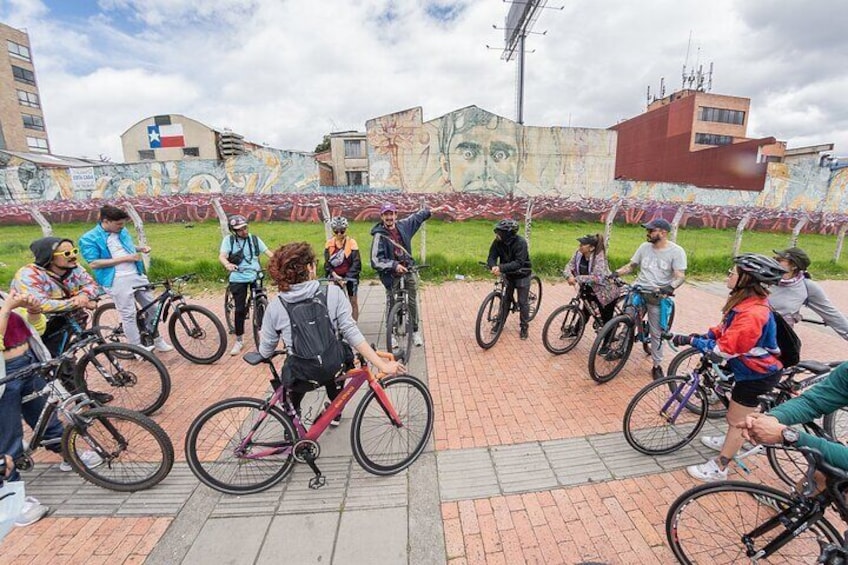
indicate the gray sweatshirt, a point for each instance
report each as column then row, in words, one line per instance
column 276, row 324
column 787, row 300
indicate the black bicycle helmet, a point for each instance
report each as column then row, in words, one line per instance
column 765, row 269
column 507, row 226
column 236, row 221
column 338, row 223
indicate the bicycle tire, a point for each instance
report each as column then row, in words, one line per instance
column 563, row 329
column 258, row 315
column 206, row 456
column 836, row 425
column 680, row 366
column 491, row 318
column 789, row 466
column 619, row 332
column 370, row 415
column 229, row 311
column 192, row 331
column 534, row 297
column 399, row 332
column 106, row 321
column 719, row 526
column 644, row 433
column 133, row 453
column 136, row 378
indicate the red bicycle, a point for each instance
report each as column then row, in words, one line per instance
column 247, row 445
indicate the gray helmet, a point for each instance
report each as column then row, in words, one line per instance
column 338, row 223
column 507, row 226
column 764, row 269
column 236, row 221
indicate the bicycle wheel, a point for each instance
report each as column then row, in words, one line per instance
column 611, row 349
column 655, row 422
column 380, row 447
column 790, row 466
column 219, row 455
column 563, row 329
column 490, row 320
column 258, row 315
column 106, row 321
column 535, row 297
column 197, row 333
column 229, row 311
column 136, row 378
column 718, row 523
column 682, row 366
column 399, row 332
column 137, row 454
column 836, row 425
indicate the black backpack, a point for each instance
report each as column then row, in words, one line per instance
column 236, row 257
column 788, row 341
column 316, row 355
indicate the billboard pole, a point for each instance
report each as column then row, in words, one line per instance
column 520, row 98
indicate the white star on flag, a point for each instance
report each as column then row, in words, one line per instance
column 153, row 135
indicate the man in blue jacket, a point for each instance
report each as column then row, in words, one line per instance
column 117, row 266
column 391, row 256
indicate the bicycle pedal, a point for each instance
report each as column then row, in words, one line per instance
column 317, row 482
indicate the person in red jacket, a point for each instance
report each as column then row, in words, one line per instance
column 747, row 339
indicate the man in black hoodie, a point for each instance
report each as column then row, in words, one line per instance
column 508, row 256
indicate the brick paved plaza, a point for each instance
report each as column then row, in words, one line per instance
column 528, row 463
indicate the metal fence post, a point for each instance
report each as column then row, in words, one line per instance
column 737, row 243
column 142, row 236
column 39, row 218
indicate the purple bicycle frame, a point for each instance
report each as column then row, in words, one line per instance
column 695, row 381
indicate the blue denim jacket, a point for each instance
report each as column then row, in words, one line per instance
column 93, row 246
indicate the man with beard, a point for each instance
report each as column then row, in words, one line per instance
column 662, row 268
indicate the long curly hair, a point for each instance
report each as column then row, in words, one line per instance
column 290, row 264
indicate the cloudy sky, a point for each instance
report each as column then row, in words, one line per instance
column 285, row 72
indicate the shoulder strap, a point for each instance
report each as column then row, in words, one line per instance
column 254, row 246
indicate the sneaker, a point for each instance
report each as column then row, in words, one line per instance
column 717, row 442
column 89, row 458
column 32, row 512
column 162, row 346
column 148, row 348
column 417, row 339
column 237, row 347
column 707, row 472
column 335, row 421
column 657, row 372
column 524, row 333
column 100, row 397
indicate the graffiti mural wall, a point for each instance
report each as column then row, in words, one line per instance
column 263, row 171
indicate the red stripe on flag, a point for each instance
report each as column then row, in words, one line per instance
column 178, row 141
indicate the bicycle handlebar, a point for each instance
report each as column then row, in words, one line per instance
column 166, row 282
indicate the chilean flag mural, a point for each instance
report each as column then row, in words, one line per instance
column 165, row 136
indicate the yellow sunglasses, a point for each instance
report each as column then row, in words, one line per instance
column 67, row 254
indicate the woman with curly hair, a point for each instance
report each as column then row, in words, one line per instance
column 293, row 268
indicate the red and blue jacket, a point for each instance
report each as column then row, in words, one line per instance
column 747, row 338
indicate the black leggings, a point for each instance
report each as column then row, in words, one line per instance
column 333, row 389
column 238, row 290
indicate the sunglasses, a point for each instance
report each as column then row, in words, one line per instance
column 67, row 254
column 339, row 231
column 731, row 272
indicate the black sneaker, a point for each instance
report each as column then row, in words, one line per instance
column 100, row 397
column 523, row 334
column 657, row 372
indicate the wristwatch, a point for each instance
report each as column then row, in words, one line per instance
column 790, row 436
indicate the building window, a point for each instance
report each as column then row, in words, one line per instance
column 146, row 155
column 355, row 178
column 19, row 51
column 33, row 122
column 353, row 148
column 37, row 144
column 29, row 99
column 722, row 115
column 712, row 139
column 162, row 120
column 25, row 76
column 191, row 152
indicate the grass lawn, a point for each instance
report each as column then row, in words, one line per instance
column 452, row 247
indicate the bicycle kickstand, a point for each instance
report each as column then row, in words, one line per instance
column 319, row 479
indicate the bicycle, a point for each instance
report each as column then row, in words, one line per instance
column 399, row 326
column 190, row 326
column 614, row 343
column 735, row 521
column 257, row 299
column 247, row 445
column 564, row 328
column 496, row 307
column 136, row 378
column 135, row 453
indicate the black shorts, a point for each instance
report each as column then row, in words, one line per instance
column 746, row 392
column 352, row 287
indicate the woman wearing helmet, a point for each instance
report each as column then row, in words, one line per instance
column 508, row 256
column 342, row 262
column 747, row 339
column 239, row 254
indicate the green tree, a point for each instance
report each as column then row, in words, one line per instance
column 324, row 145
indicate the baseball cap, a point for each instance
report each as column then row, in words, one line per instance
column 588, row 239
column 796, row 255
column 658, row 224
column 387, row 207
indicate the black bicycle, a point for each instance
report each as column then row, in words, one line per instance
column 564, row 328
column 110, row 447
column 736, row 522
column 197, row 333
column 496, row 307
column 257, row 301
column 399, row 326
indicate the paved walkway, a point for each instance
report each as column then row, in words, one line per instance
column 527, row 464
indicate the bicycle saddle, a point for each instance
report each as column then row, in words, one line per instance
column 255, row 358
column 814, row 367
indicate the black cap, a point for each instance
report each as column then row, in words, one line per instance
column 588, row 239
column 43, row 249
column 658, row 224
column 796, row 256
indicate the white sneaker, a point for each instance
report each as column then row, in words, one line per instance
column 417, row 339
column 707, row 472
column 162, row 346
column 717, row 442
column 237, row 347
column 32, row 512
column 148, row 348
column 89, row 458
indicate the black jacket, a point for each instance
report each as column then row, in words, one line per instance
column 512, row 256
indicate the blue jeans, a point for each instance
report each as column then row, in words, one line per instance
column 11, row 411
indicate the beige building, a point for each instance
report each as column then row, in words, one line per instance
column 22, row 125
column 171, row 137
column 347, row 162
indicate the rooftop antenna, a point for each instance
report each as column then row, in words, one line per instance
column 686, row 60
